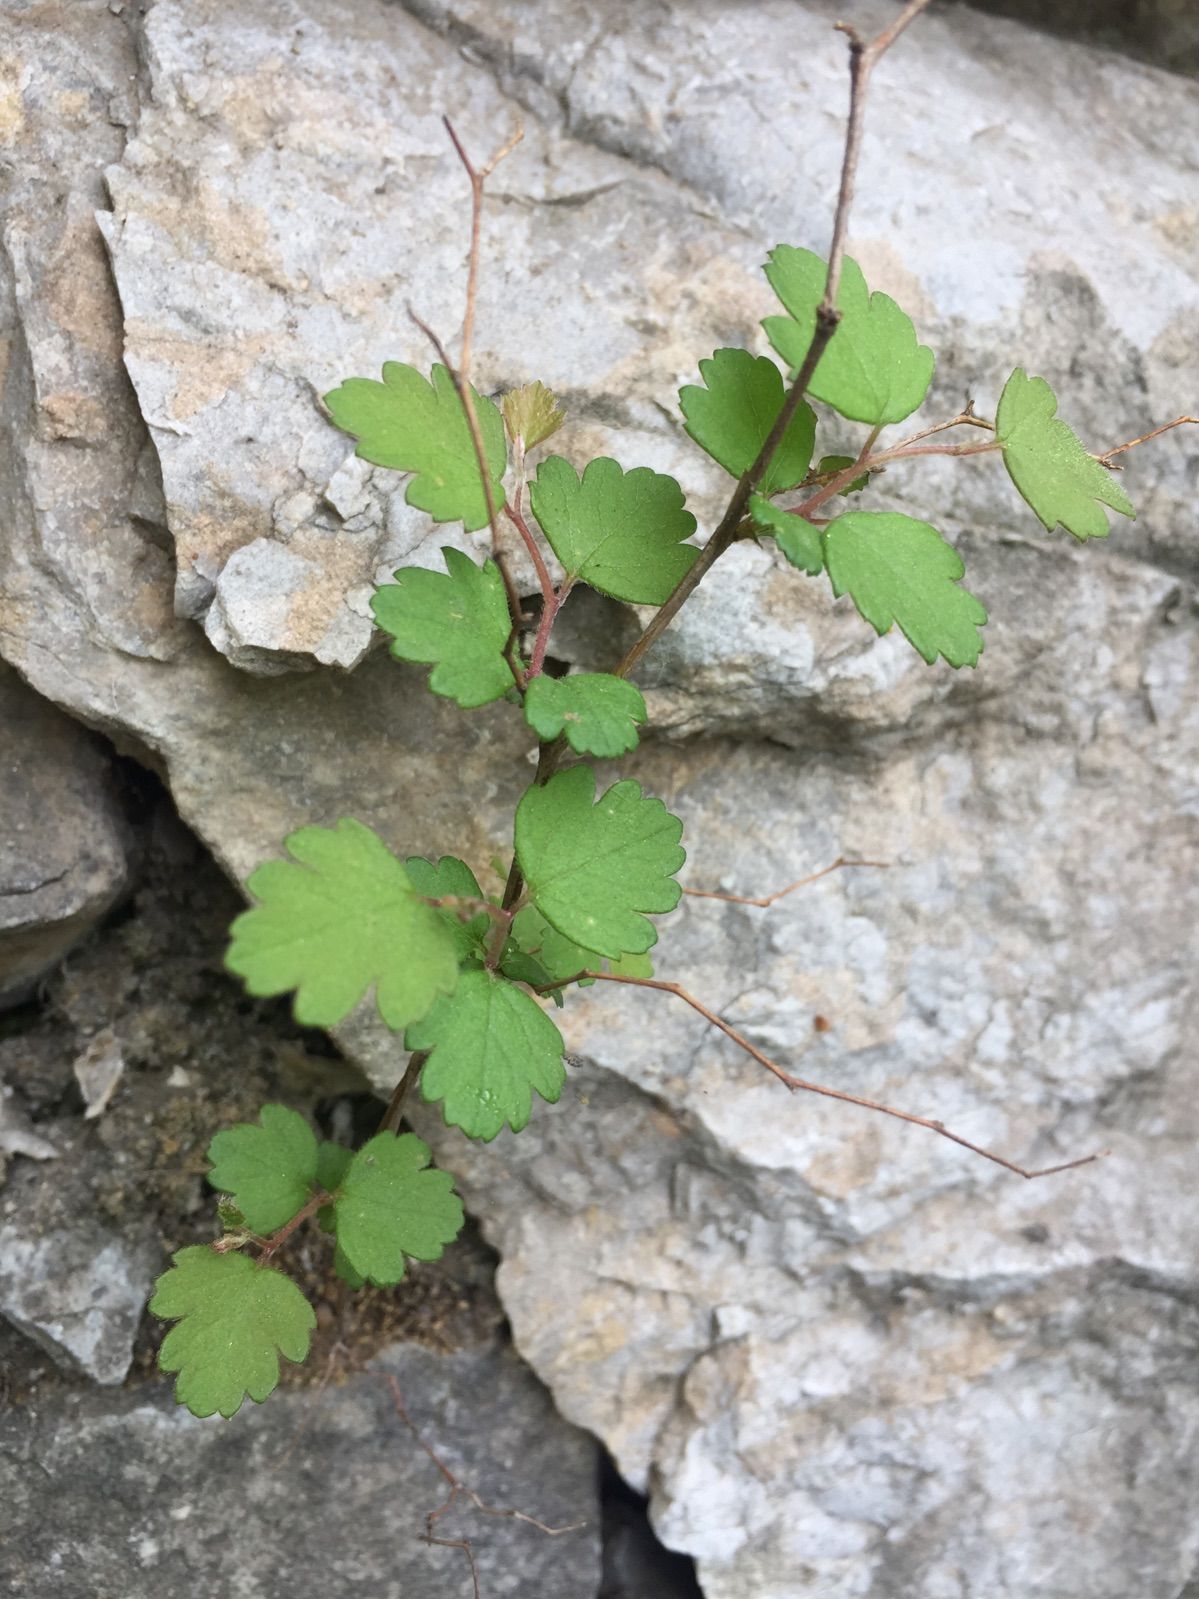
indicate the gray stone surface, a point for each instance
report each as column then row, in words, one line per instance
column 1164, row 32
column 62, row 844
column 322, row 1490
column 17, row 1136
column 70, row 1281
column 844, row 1357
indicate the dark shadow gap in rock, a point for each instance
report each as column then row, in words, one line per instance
column 636, row 1565
column 1163, row 33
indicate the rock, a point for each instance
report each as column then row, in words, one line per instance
column 62, row 849
column 17, row 1136
column 636, row 1566
column 73, row 464
column 805, row 1329
column 98, row 1070
column 72, row 1283
column 278, row 539
column 148, row 1500
column 1164, row 32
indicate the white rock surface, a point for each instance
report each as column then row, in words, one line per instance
column 846, row 1358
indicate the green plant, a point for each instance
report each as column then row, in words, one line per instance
column 464, row 974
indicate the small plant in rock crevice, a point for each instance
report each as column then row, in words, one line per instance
column 463, row 975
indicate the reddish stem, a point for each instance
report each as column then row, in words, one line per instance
column 516, row 517
column 549, row 615
column 872, row 463
column 272, row 1244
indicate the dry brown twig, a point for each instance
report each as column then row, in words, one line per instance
column 766, row 900
column 458, row 1488
column 801, row 1084
column 460, row 374
column 1119, row 449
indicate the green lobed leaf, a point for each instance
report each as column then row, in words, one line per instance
column 900, row 570
column 797, row 538
column 452, row 878
column 838, row 463
column 343, row 1269
column 521, row 967
column 230, row 1218
column 268, row 1169
column 619, row 531
column 594, row 867
column 414, row 425
column 491, row 1045
column 732, row 416
column 873, row 370
column 558, row 957
column 531, row 415
column 537, row 954
column 1049, row 463
column 234, row 1319
column 632, row 966
column 598, row 713
column 332, row 1163
column 449, row 878
column 457, row 621
column 392, row 1204
column 341, row 916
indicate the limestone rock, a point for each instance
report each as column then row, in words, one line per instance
column 1164, row 32
column 17, row 1136
column 151, row 1501
column 62, row 847
column 68, row 1280
column 844, row 1356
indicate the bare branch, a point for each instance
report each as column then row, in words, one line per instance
column 964, row 418
column 460, row 374
column 862, row 60
column 766, row 900
column 874, row 463
column 456, row 1487
column 1144, row 438
column 801, row 1084
column 390, row 1121
column 478, row 177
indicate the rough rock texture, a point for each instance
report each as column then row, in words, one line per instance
column 845, row 1357
column 321, row 1490
column 1165, row 32
column 75, row 1284
column 17, row 1136
column 62, row 846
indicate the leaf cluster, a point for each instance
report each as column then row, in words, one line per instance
column 236, row 1314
